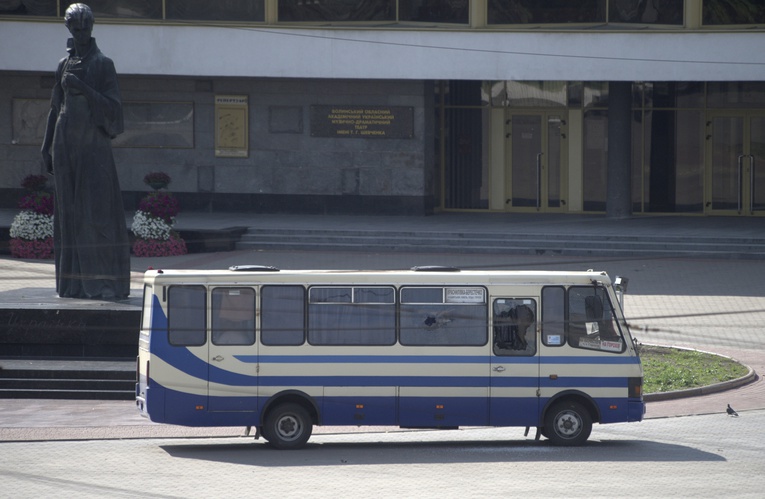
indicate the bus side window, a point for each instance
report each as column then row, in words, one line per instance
column 444, row 316
column 282, row 315
column 553, row 316
column 515, row 326
column 351, row 315
column 186, row 322
column 233, row 316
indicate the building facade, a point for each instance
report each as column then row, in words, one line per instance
column 415, row 106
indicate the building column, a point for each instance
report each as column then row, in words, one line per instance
column 619, row 195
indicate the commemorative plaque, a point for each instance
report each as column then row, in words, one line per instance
column 362, row 122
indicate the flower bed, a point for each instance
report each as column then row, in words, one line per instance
column 156, row 247
column 32, row 228
column 39, row 249
column 153, row 223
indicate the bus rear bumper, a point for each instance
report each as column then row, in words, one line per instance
column 635, row 410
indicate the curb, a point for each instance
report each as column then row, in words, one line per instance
column 749, row 377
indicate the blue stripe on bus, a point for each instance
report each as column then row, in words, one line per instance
column 430, row 359
column 446, row 381
column 172, row 406
column 365, row 359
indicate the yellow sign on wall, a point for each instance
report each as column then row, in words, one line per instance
column 231, row 130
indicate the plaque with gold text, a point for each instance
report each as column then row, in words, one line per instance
column 362, row 122
column 231, row 132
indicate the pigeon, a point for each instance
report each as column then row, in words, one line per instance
column 731, row 412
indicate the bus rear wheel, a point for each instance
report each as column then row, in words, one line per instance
column 287, row 426
column 567, row 423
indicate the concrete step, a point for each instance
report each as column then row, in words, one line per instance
column 67, row 394
column 529, row 243
column 67, row 379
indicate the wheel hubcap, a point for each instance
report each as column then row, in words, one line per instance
column 568, row 424
column 288, row 427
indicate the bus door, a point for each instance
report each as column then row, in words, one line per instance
column 445, row 330
column 514, row 399
column 232, row 353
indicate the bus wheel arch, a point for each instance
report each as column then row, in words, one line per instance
column 567, row 420
column 287, row 420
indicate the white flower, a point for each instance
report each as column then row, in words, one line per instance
column 146, row 226
column 31, row 225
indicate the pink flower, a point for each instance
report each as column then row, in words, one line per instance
column 155, row 247
column 39, row 249
column 160, row 204
column 38, row 201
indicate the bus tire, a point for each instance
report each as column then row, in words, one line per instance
column 567, row 423
column 287, row 427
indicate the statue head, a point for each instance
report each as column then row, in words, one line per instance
column 79, row 21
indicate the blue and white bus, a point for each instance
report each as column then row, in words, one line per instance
column 430, row 347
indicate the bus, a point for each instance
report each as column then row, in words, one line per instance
column 430, row 347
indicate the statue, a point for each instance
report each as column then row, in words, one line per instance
column 91, row 246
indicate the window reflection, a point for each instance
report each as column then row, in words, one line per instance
column 336, row 10
column 643, row 12
column 595, row 160
column 28, row 8
column 440, row 11
column 719, row 12
column 143, row 9
column 222, row 10
column 736, row 94
column 546, row 11
column 596, row 94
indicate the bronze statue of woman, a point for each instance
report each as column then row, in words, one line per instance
column 92, row 250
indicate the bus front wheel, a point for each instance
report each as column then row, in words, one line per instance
column 287, row 426
column 567, row 423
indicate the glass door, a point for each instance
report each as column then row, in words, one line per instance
column 535, row 160
column 736, row 163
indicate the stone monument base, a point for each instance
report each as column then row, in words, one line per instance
column 35, row 322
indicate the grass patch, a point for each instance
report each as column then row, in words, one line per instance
column 668, row 369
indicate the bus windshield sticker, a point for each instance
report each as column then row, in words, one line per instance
column 553, row 339
column 594, row 344
column 611, row 346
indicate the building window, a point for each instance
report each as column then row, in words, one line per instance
column 336, row 10
column 434, row 11
column 643, row 12
column 205, row 10
column 28, row 8
column 546, row 11
column 138, row 9
column 667, row 12
column 731, row 12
